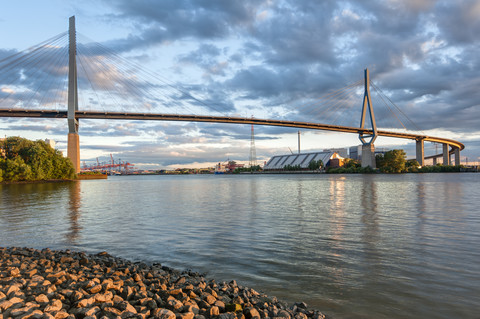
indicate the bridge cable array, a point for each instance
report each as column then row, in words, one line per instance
column 37, row 78
column 27, row 77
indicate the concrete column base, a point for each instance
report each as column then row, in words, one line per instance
column 368, row 156
column 73, row 150
column 446, row 154
column 434, row 161
column 420, row 153
column 457, row 156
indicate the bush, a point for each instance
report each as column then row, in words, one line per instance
column 391, row 162
column 27, row 160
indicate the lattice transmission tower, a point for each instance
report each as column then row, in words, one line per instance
column 253, row 153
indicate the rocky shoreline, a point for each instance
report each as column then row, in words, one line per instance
column 67, row 284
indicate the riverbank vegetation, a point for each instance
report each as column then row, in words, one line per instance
column 26, row 160
column 255, row 168
column 392, row 162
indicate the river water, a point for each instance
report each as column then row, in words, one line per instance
column 352, row 246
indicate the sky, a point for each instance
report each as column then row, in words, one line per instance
column 260, row 58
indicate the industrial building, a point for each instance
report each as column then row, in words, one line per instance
column 329, row 159
column 355, row 152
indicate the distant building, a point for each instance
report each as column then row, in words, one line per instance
column 355, row 152
column 2, row 148
column 50, row 142
column 279, row 162
column 228, row 167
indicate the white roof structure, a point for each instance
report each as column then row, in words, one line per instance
column 302, row 159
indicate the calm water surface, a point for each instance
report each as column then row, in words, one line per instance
column 354, row 246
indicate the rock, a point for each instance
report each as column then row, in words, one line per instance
column 111, row 311
column 14, row 302
column 161, row 313
column 191, row 308
column 233, row 307
column 127, row 293
column 66, row 259
column 21, row 311
column 12, row 290
column 209, row 299
column 283, row 314
column 95, row 289
column 213, row 311
column 42, row 299
column 62, row 315
column 220, row 304
column 251, row 313
column 318, row 315
column 92, row 311
column 87, row 302
column 55, row 305
column 174, row 304
column 186, row 315
column 14, row 272
column 103, row 253
column 125, row 306
column 35, row 314
column 175, row 292
column 117, row 299
column 67, row 284
column 32, row 272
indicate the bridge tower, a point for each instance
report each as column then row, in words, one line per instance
column 368, row 148
column 73, row 146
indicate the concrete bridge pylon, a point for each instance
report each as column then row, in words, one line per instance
column 73, row 144
column 368, row 148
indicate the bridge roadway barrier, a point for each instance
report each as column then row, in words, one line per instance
column 455, row 146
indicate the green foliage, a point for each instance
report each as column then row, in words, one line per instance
column 91, row 173
column 440, row 169
column 351, row 163
column 314, row 165
column 255, row 168
column 412, row 163
column 27, row 160
column 292, row 167
column 391, row 162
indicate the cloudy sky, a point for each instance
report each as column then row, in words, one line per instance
column 261, row 58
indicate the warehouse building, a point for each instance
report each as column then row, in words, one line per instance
column 279, row 162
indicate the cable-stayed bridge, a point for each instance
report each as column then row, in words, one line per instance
column 43, row 82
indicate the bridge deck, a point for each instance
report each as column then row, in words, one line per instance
column 222, row 119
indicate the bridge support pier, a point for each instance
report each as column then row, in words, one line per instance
column 457, row 156
column 446, row 154
column 368, row 156
column 73, row 147
column 73, row 150
column 420, row 153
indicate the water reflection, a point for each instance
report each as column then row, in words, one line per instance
column 337, row 223
column 74, row 204
column 370, row 232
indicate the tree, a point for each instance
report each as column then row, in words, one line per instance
column 314, row 165
column 392, row 161
column 351, row 163
column 27, row 160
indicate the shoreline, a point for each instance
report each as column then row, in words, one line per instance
column 68, row 284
